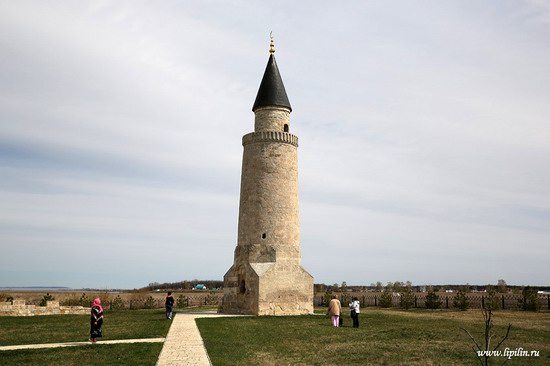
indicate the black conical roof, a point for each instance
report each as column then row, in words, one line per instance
column 272, row 91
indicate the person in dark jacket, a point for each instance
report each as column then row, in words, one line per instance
column 169, row 303
column 96, row 320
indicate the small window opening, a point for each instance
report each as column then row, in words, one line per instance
column 263, row 236
column 285, row 128
column 242, row 287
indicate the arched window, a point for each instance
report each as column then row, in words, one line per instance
column 242, row 287
column 285, row 128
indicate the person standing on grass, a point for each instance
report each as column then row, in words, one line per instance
column 354, row 309
column 169, row 303
column 96, row 320
column 334, row 310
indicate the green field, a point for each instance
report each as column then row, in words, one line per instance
column 127, row 324
column 386, row 337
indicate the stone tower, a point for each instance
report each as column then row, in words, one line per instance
column 266, row 277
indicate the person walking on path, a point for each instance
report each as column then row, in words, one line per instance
column 96, row 320
column 169, row 303
column 354, row 310
column 334, row 310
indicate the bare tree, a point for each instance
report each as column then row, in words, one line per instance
column 483, row 354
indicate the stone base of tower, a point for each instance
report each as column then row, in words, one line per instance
column 268, row 289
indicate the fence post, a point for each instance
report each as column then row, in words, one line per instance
column 375, row 297
column 447, row 301
column 415, row 301
column 503, row 306
column 548, row 298
column 483, row 302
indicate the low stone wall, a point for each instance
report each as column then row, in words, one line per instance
column 19, row 308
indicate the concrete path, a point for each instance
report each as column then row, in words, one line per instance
column 74, row 344
column 183, row 345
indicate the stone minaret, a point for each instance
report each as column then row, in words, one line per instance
column 266, row 277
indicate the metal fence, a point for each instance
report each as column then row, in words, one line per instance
column 501, row 301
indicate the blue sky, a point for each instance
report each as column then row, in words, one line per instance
column 424, row 138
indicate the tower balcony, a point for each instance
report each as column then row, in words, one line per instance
column 270, row 136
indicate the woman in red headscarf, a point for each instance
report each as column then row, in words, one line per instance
column 96, row 320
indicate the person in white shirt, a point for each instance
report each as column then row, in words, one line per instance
column 354, row 308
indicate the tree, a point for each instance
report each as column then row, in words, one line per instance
column 344, row 286
column 432, row 300
column 529, row 300
column 397, row 286
column 407, row 296
column 461, row 301
column 483, row 354
column 491, row 301
column 378, row 287
column 386, row 298
column 502, row 286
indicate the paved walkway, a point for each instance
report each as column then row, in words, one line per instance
column 183, row 345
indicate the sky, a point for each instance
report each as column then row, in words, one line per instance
column 424, row 132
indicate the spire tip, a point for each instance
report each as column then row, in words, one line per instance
column 271, row 43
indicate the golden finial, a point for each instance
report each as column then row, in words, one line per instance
column 271, row 43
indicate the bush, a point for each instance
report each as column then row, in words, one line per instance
column 182, row 301
column 432, row 300
column 386, row 298
column 117, row 303
column 460, row 301
column 491, row 301
column 529, row 300
column 211, row 299
column 45, row 299
column 407, row 297
column 5, row 298
column 327, row 297
column 150, row 303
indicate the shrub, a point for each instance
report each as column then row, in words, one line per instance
column 117, row 303
column 407, row 297
column 386, row 298
column 150, row 303
column 45, row 299
column 491, row 301
column 211, row 299
column 327, row 297
column 182, row 301
column 529, row 300
column 5, row 298
column 460, row 301
column 432, row 300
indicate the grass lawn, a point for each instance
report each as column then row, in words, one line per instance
column 386, row 337
column 123, row 324
column 142, row 354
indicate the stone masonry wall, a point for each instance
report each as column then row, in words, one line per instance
column 271, row 119
column 268, row 208
column 19, row 308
